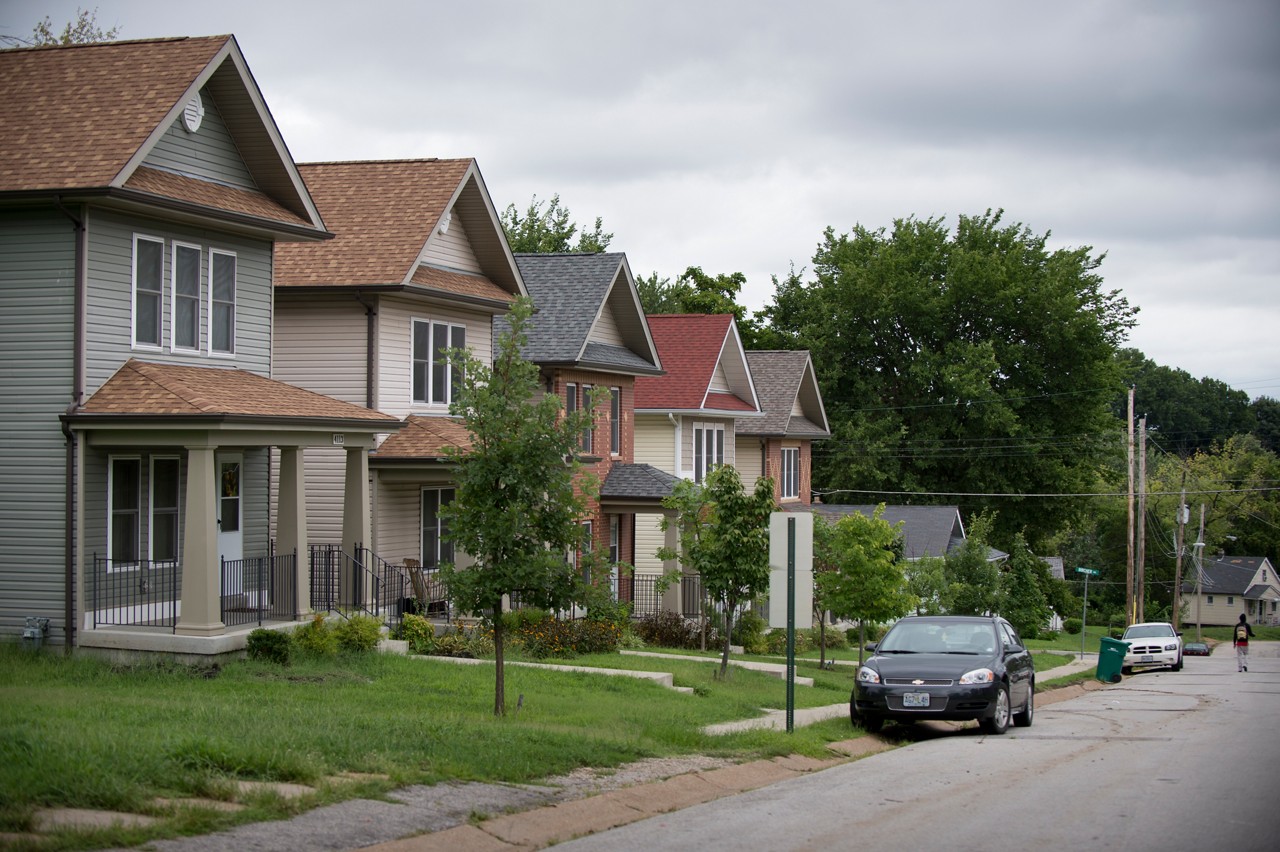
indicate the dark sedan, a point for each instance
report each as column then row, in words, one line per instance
column 946, row 667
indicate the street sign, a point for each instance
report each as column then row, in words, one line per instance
column 1092, row 571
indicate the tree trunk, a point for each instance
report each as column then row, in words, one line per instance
column 499, row 685
column 822, row 640
column 862, row 639
column 728, row 632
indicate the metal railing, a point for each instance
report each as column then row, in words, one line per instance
column 260, row 588
column 646, row 600
column 361, row 583
column 136, row 593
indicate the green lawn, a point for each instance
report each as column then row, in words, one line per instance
column 81, row 732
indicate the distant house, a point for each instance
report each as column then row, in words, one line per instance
column 1230, row 586
column 779, row 444
column 926, row 530
column 144, row 191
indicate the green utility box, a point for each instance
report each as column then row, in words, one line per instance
column 1111, row 659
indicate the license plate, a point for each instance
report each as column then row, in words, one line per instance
column 1147, row 658
column 915, row 699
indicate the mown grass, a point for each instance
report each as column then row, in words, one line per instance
column 81, row 732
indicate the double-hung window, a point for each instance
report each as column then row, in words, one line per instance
column 435, row 376
column 615, row 553
column 164, row 508
column 185, row 297
column 790, row 486
column 124, row 497
column 588, row 545
column 708, row 449
column 588, row 434
column 615, row 421
column 148, row 290
column 222, row 302
column 436, row 549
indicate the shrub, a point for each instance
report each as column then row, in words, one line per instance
column 554, row 637
column 463, row 641
column 419, row 633
column 836, row 640
column 1047, row 635
column 669, row 630
column 359, row 633
column 748, row 631
column 1072, row 625
column 776, row 641
column 271, row 646
column 617, row 613
column 316, row 638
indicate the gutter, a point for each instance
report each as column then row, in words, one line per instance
column 81, row 261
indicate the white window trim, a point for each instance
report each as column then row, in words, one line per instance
column 112, row 567
column 133, row 296
column 700, row 432
column 173, row 295
column 151, row 506
column 438, row 491
column 429, row 387
column 615, row 553
column 789, row 487
column 615, row 421
column 235, row 304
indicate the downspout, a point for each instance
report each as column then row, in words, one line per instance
column 77, row 398
column 675, row 429
column 369, row 315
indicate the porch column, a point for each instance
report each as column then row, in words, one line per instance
column 355, row 524
column 671, row 600
column 201, row 575
column 291, row 533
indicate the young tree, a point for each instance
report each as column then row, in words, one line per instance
column 83, row 30
column 516, row 510
column 862, row 580
column 973, row 580
column 548, row 231
column 1022, row 601
column 926, row 580
column 724, row 537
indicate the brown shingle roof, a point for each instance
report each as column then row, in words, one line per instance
column 202, row 192
column 382, row 212
column 72, row 117
column 148, row 389
column 425, row 438
column 460, row 283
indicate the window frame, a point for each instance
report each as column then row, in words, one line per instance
column 174, row 511
column 174, row 296
column 789, row 479
column 589, row 433
column 128, row 563
column 450, row 374
column 615, row 421
column 214, row 303
column 442, row 526
column 615, row 552
column 157, row 294
column 708, row 440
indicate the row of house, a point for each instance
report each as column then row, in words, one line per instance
column 225, row 380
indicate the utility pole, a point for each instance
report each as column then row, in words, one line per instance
column 1199, row 545
column 1140, row 596
column 1128, row 574
column 1177, row 565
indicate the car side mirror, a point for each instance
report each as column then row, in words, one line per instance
column 871, row 646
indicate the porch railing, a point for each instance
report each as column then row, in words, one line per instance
column 136, row 593
column 362, row 582
column 646, row 600
column 260, row 588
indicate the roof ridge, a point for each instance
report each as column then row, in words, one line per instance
column 186, row 393
column 391, row 161
column 99, row 44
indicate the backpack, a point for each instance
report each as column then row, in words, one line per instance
column 1242, row 633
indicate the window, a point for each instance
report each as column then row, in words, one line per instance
column 124, row 497
column 615, row 553
column 436, row 550
column 708, row 449
column 435, row 378
column 1210, row 600
column 588, row 545
column 148, row 290
column 615, row 421
column 790, row 472
column 185, row 296
column 588, row 434
column 1231, row 601
column 164, row 508
column 222, row 302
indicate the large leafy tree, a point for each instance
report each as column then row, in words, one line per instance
column 1022, row 599
column 83, row 29
column 696, row 292
column 1184, row 414
column 519, row 502
column 547, row 227
column 724, row 537
column 860, row 577
column 974, row 362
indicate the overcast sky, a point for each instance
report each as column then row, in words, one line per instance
column 728, row 135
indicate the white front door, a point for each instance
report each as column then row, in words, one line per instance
column 230, row 517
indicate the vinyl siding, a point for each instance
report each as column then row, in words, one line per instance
column 655, row 442
column 210, row 153
column 37, row 275
column 649, row 537
column 452, row 250
column 399, row 520
column 320, row 345
column 394, row 349
column 605, row 329
column 108, row 331
column 748, row 458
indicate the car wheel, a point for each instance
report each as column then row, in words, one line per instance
column 870, row 724
column 998, row 723
column 1177, row 667
column 1023, row 719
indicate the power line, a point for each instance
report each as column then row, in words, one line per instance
column 1033, row 494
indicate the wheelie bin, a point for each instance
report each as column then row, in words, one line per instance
column 1111, row 659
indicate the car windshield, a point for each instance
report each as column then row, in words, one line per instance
column 1148, row 631
column 927, row 637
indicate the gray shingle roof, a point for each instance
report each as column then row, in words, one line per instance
column 636, row 481
column 780, row 379
column 568, row 292
column 926, row 530
column 1228, row 575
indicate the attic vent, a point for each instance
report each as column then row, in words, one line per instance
column 193, row 114
column 445, row 220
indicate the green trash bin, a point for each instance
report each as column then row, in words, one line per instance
column 1111, row 659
